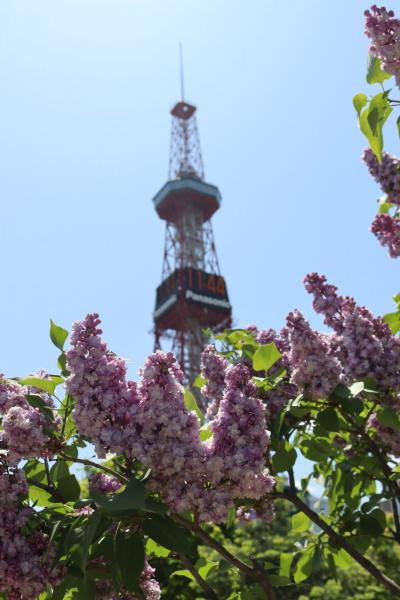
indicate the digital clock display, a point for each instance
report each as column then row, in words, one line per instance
column 195, row 286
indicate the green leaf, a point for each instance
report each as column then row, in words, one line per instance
column 191, row 404
column 285, row 564
column 279, row 580
column 164, row 531
column 372, row 120
column 374, row 523
column 199, row 382
column 38, row 496
column 303, row 568
column 58, row 335
column 47, row 385
column 133, row 498
column 300, row 523
column 69, row 488
column 265, row 356
column 356, row 388
column 129, row 554
column 59, row 470
column 205, row 567
column 375, row 73
column 284, row 458
column 153, row 548
column 393, row 321
column 384, row 206
column 205, row 432
column 80, row 536
column 389, row 418
column 342, row 559
column 328, row 419
column 35, row 470
column 183, row 573
column 359, row 101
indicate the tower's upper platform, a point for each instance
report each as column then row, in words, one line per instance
column 187, row 193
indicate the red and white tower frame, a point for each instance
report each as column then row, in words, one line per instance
column 192, row 295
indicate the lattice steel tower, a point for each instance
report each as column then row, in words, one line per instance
column 192, row 295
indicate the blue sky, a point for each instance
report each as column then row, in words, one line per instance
column 86, row 89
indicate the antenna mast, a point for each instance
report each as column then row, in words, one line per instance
column 181, row 71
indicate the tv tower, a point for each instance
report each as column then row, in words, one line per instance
column 192, row 295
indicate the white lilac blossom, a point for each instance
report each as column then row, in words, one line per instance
column 383, row 29
column 213, row 367
column 313, row 368
column 27, row 564
column 387, row 230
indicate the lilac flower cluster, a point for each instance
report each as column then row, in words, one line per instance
column 387, row 436
column 102, row 482
column 23, row 434
column 386, row 173
column 105, row 403
column 387, row 230
column 383, row 29
column 213, row 367
column 240, row 441
column 363, row 343
column 279, row 396
column 27, row 564
column 24, row 426
column 150, row 422
column 149, row 586
column 312, row 365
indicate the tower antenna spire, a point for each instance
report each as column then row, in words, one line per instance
column 181, row 72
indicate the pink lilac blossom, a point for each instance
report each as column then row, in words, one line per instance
column 213, row 367
column 105, row 483
column 27, row 563
column 327, row 302
column 313, row 368
column 148, row 584
column 11, row 394
column 23, row 434
column 279, row 396
column 383, row 29
column 104, row 402
column 158, row 429
column 364, row 344
column 171, row 445
column 386, row 173
column 387, row 230
column 240, row 440
column 386, row 436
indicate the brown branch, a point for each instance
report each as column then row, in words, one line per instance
column 89, row 463
column 207, row 589
column 260, row 576
column 341, row 541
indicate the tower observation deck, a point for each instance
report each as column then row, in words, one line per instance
column 192, row 295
